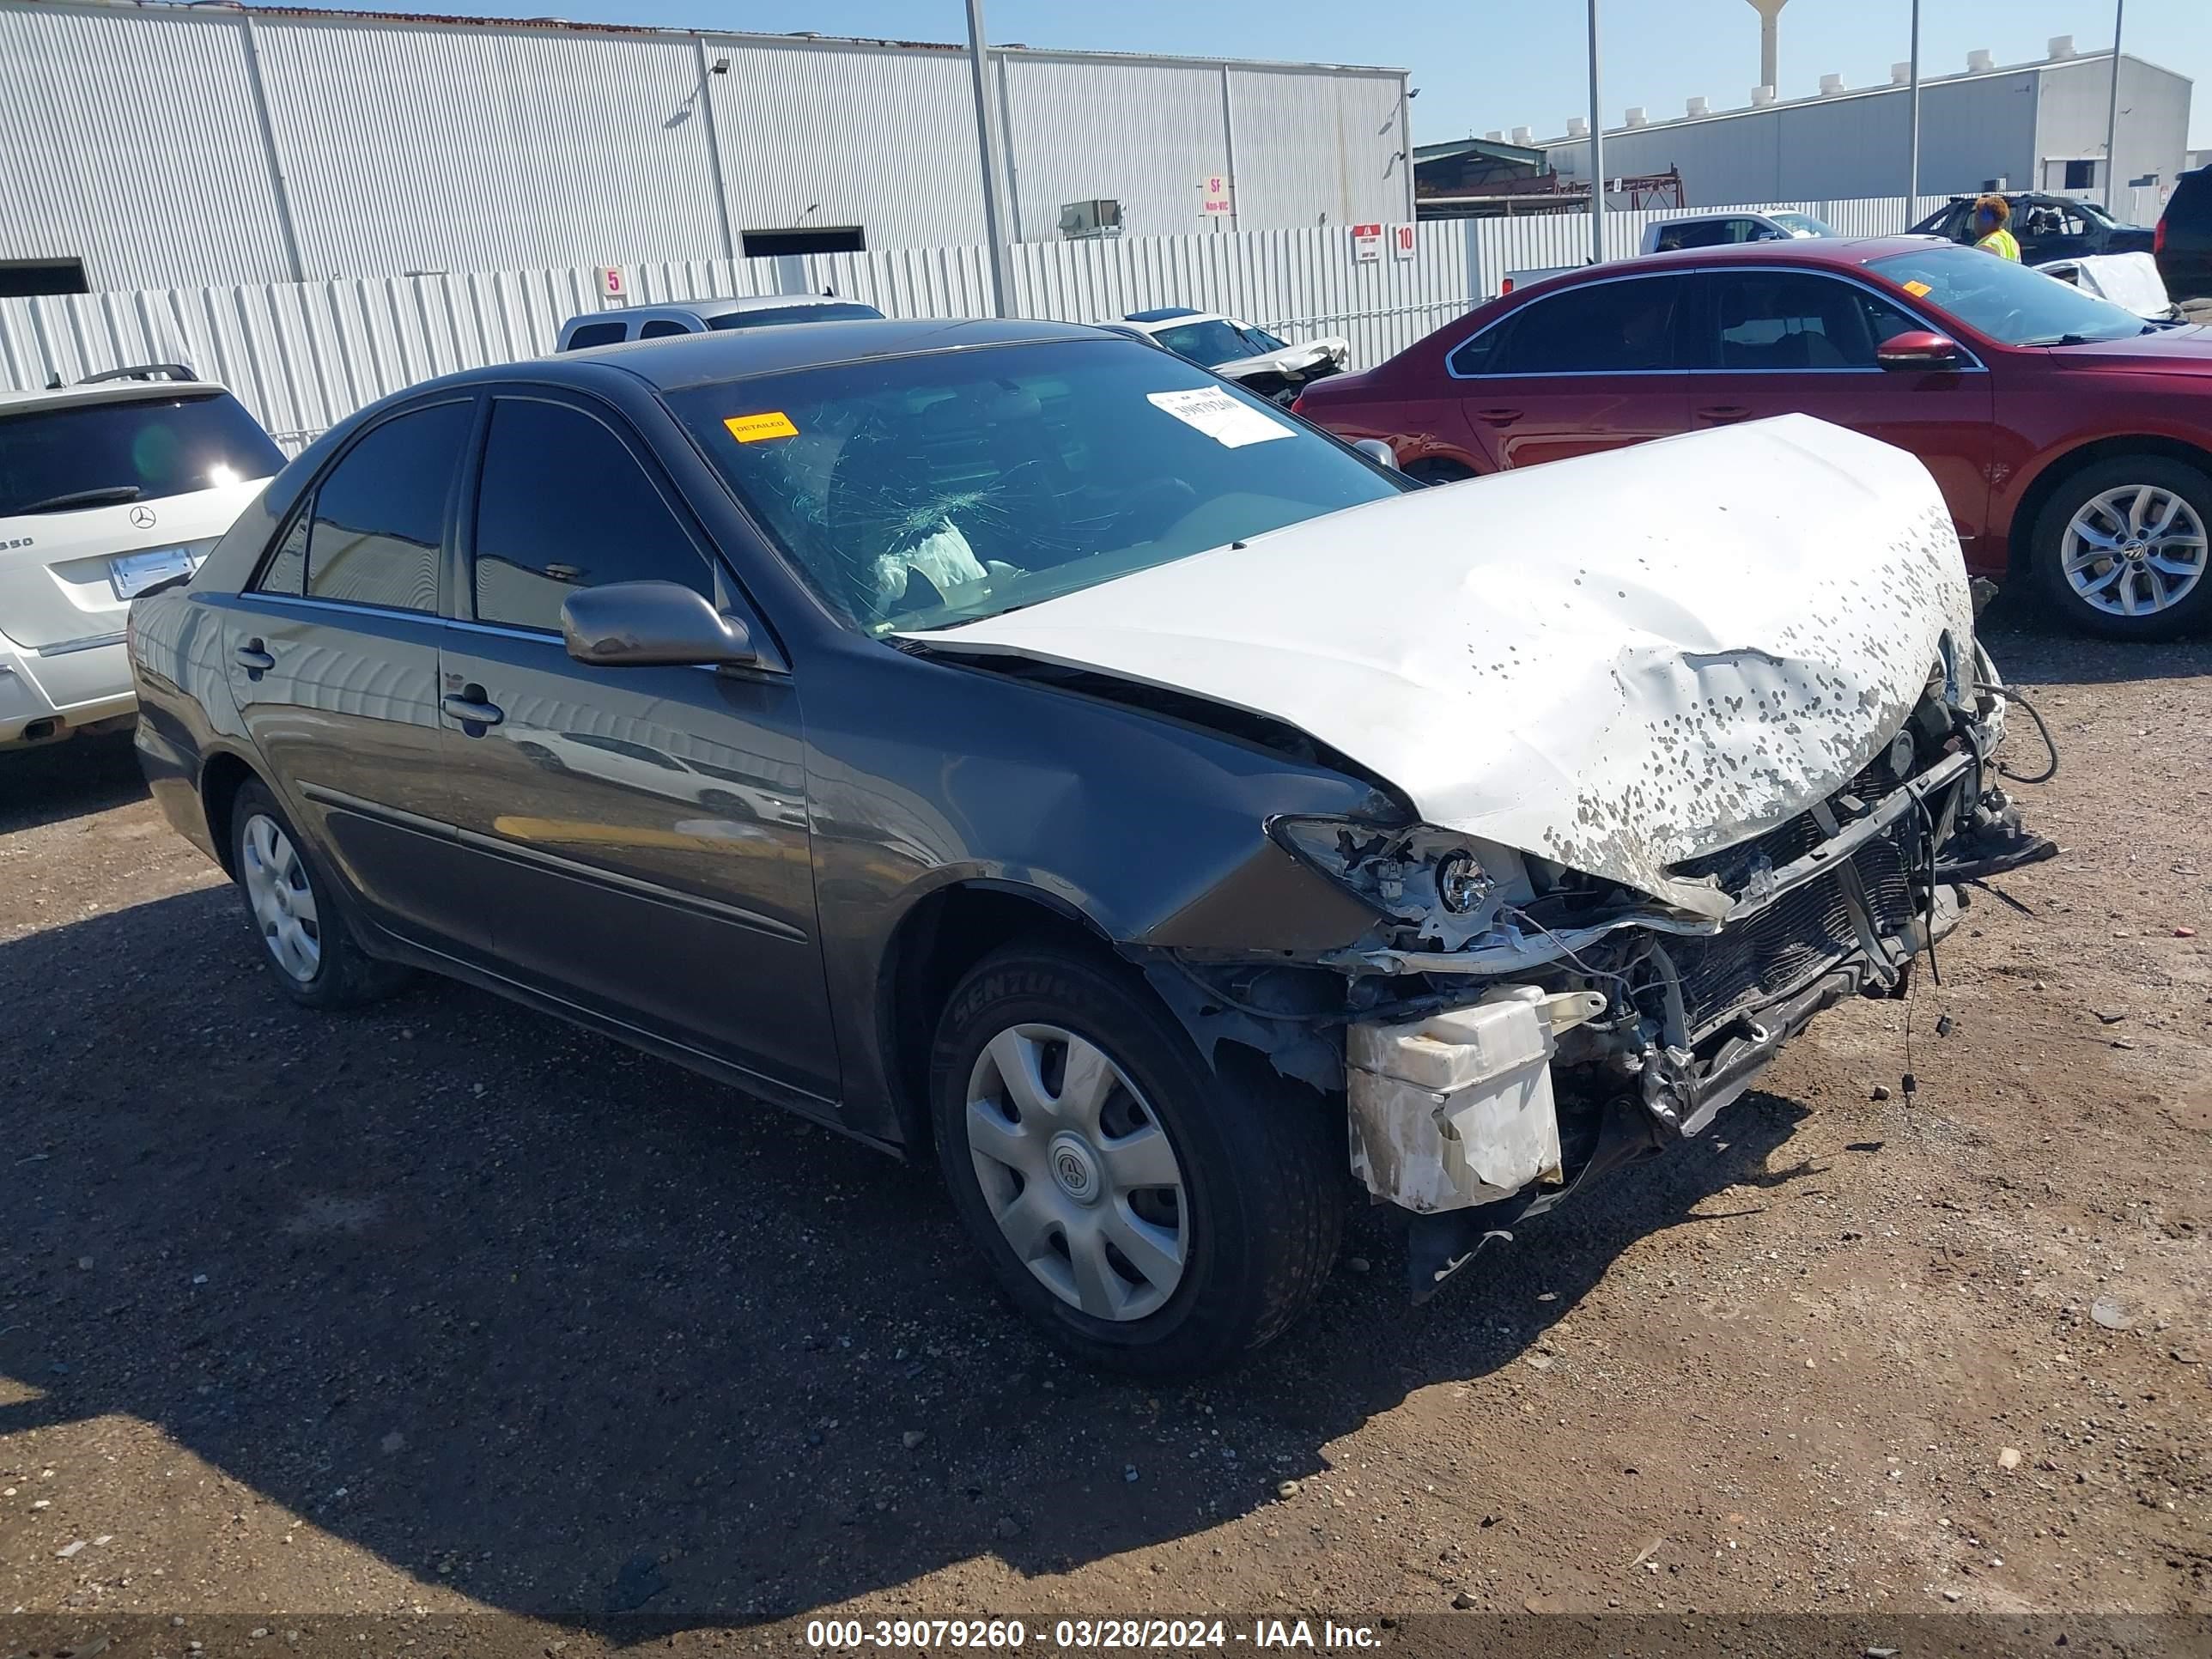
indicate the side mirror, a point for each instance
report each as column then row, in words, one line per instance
column 1918, row 348
column 1377, row 451
column 656, row 624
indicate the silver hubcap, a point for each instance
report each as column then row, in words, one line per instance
column 1077, row 1172
column 2134, row 551
column 284, row 904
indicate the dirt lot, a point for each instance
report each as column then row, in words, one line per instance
column 449, row 1307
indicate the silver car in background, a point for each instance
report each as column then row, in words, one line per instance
column 106, row 488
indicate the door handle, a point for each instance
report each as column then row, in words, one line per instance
column 1722, row 413
column 470, row 706
column 253, row 657
column 1498, row 416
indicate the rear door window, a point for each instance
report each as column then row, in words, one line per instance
column 376, row 529
column 1773, row 318
column 563, row 504
column 597, row 334
column 661, row 328
column 1604, row 327
column 103, row 452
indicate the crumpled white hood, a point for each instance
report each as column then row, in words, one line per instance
column 1303, row 354
column 1617, row 662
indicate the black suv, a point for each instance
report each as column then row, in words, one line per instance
column 2184, row 239
column 2048, row 227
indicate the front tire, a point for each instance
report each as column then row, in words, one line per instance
column 2120, row 549
column 294, row 907
column 1151, row 1214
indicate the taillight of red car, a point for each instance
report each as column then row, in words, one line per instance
column 2158, row 236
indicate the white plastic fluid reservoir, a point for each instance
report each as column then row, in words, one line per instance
column 1455, row 1109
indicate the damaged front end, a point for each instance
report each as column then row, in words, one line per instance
column 1654, row 791
column 1512, row 1028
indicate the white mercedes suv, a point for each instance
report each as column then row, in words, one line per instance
column 106, row 488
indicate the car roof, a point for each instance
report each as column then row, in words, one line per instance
column 106, row 391
column 679, row 361
column 1152, row 322
column 1838, row 250
column 721, row 307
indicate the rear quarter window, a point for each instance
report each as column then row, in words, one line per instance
column 596, row 334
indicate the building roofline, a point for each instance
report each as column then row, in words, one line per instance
column 1496, row 149
column 2035, row 65
column 738, row 37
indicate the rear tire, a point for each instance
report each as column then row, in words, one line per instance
column 1151, row 1214
column 2127, row 535
column 294, row 909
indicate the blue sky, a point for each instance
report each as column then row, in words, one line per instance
column 1482, row 65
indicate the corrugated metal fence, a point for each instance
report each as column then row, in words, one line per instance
column 302, row 355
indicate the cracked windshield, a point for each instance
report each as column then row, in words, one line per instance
column 925, row 491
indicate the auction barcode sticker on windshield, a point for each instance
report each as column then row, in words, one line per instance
column 1230, row 424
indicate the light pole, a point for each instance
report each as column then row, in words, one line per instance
column 1913, row 162
column 987, row 142
column 1597, row 150
column 2112, row 109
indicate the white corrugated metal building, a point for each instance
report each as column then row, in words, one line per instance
column 2036, row 126
column 164, row 145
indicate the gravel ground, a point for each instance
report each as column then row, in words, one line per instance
column 447, row 1307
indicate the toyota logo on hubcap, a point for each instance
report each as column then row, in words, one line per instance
column 142, row 518
column 1074, row 1170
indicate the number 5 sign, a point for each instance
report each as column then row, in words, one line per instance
column 614, row 287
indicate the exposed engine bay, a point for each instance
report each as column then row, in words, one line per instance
column 1516, row 1027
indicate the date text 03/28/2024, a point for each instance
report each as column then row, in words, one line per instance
column 1165, row 1635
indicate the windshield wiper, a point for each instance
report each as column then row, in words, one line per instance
column 2060, row 340
column 104, row 496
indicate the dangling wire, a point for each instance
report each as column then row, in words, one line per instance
column 2042, row 731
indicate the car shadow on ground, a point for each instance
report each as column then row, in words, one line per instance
column 68, row 780
column 571, row 1332
column 2032, row 647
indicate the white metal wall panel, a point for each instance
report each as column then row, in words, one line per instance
column 303, row 355
column 1313, row 150
column 2071, row 116
column 1849, row 147
column 1735, row 159
column 1972, row 130
column 1299, row 282
column 1144, row 134
column 130, row 140
column 831, row 134
column 457, row 147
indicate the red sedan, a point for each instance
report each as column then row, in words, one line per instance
column 2072, row 440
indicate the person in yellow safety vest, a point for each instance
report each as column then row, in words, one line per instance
column 1990, row 213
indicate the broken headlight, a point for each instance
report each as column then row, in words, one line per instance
column 1447, row 888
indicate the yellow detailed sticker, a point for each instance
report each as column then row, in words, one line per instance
column 752, row 429
column 1918, row 290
